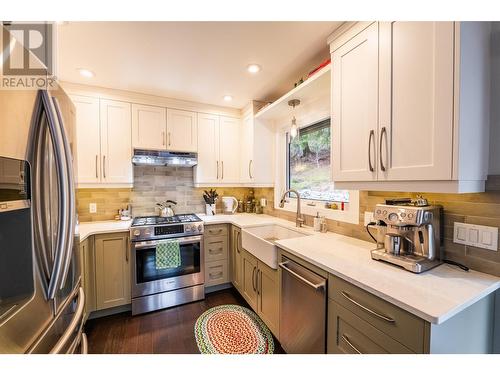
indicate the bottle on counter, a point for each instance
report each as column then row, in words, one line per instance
column 317, row 223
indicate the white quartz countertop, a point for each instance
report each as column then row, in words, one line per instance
column 90, row 228
column 435, row 295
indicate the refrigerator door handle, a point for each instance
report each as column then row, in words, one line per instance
column 84, row 344
column 42, row 245
column 44, row 105
column 77, row 319
column 70, row 214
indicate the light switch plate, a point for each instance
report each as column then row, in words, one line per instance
column 92, row 208
column 476, row 235
column 368, row 217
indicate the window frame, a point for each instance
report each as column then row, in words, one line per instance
column 310, row 128
column 308, row 206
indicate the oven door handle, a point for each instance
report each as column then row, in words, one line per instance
column 149, row 244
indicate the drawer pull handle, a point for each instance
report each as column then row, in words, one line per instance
column 215, row 242
column 348, row 342
column 380, row 316
column 215, row 275
column 219, row 250
column 211, row 231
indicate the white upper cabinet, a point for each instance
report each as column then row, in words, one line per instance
column 218, row 150
column 408, row 106
column 246, row 149
column 416, row 100
column 182, row 131
column 87, row 139
column 116, row 142
column 149, row 127
column 207, row 169
column 354, row 108
column 229, row 149
column 104, row 144
column 257, row 138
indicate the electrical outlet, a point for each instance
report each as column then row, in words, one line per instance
column 368, row 217
column 476, row 235
column 93, row 208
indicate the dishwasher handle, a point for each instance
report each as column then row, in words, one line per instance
column 318, row 286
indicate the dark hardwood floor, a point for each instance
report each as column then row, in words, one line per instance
column 166, row 331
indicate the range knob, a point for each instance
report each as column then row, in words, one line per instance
column 147, row 232
column 200, row 228
column 137, row 233
column 188, row 228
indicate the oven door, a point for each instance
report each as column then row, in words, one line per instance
column 147, row 280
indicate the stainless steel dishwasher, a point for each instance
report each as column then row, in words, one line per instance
column 303, row 309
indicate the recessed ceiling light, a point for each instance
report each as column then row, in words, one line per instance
column 253, row 68
column 86, row 73
column 228, row 98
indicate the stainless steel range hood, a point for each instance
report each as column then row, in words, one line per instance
column 164, row 158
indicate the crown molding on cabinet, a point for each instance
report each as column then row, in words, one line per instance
column 345, row 32
column 145, row 99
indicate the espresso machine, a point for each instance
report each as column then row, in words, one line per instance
column 408, row 236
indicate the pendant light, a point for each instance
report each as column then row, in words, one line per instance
column 294, row 130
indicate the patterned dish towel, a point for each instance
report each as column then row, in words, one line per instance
column 168, row 255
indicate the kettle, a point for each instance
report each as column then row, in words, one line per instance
column 229, row 205
column 166, row 209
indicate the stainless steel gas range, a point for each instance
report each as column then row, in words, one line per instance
column 153, row 288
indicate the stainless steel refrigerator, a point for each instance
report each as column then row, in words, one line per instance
column 41, row 298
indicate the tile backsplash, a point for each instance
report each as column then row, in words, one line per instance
column 151, row 185
column 155, row 184
column 480, row 208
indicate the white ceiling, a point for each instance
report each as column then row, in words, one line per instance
column 197, row 61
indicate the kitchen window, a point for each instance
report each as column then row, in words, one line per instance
column 308, row 164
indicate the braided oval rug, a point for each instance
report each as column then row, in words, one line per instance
column 232, row 329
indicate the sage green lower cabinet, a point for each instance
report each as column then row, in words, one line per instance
column 87, row 257
column 260, row 288
column 360, row 322
column 216, row 249
column 112, row 270
column 393, row 321
column 350, row 334
column 236, row 258
column 268, row 296
column 248, row 287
